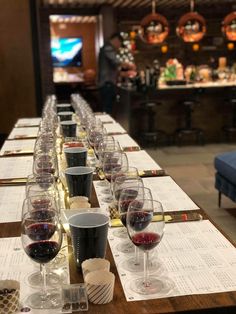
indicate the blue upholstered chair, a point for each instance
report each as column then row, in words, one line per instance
column 225, row 178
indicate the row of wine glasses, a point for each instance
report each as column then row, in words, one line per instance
column 136, row 207
column 41, row 231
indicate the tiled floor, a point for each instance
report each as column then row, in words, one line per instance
column 192, row 167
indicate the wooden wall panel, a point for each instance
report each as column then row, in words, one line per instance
column 17, row 89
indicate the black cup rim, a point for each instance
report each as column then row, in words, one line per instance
column 65, row 113
column 84, row 170
column 74, row 150
column 88, row 226
column 68, row 122
column 63, row 105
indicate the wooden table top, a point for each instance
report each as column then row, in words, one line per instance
column 217, row 303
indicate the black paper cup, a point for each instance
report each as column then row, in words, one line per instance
column 79, row 181
column 76, row 156
column 68, row 128
column 63, row 107
column 89, row 235
column 65, row 115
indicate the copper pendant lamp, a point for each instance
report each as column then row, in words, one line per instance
column 229, row 26
column 191, row 26
column 154, row 27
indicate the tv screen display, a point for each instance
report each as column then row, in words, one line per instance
column 66, row 52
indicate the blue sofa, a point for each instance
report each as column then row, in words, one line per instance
column 225, row 177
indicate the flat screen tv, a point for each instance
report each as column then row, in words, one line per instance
column 66, row 52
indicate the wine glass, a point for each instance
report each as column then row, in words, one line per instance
column 42, row 206
column 44, row 181
column 41, row 239
column 45, row 163
column 135, row 263
column 146, row 235
column 130, row 188
column 112, row 160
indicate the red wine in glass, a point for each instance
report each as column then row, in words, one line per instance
column 42, row 251
column 40, row 231
column 140, row 220
column 124, row 205
column 146, row 240
column 43, row 214
column 41, row 203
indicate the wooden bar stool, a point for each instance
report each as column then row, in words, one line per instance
column 188, row 129
column 151, row 135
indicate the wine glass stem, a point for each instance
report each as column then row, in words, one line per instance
column 145, row 263
column 44, row 288
column 136, row 259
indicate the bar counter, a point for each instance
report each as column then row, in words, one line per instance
column 211, row 113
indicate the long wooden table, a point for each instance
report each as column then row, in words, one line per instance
column 217, row 303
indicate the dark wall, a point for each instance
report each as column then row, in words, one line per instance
column 17, row 85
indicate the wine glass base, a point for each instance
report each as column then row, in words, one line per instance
column 156, row 285
column 107, row 199
column 51, row 301
column 134, row 264
column 121, row 233
column 36, row 279
column 125, row 247
column 102, row 183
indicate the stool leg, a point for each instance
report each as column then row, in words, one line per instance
column 219, row 199
column 188, row 118
column 234, row 116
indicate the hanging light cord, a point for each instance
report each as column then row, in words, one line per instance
column 153, row 6
column 192, row 5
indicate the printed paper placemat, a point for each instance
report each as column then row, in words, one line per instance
column 192, row 258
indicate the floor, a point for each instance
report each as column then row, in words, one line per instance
column 192, row 167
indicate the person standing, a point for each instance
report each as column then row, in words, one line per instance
column 108, row 70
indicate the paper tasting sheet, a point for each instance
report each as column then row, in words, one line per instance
column 142, row 160
column 114, row 128
column 11, row 200
column 17, row 146
column 125, row 140
column 104, row 118
column 16, row 265
column 193, row 258
column 167, row 191
column 18, row 133
column 15, row 167
column 28, row 122
column 103, row 194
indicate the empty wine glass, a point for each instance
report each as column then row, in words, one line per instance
column 146, row 235
column 41, row 239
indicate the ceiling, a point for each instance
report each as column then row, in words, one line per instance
column 132, row 4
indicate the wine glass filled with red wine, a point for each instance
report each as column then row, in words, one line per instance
column 146, row 235
column 41, row 237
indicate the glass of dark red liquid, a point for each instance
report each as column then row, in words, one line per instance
column 146, row 235
column 45, row 163
column 42, row 207
column 41, row 237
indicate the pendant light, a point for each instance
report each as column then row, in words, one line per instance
column 154, row 27
column 191, row 26
column 229, row 26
